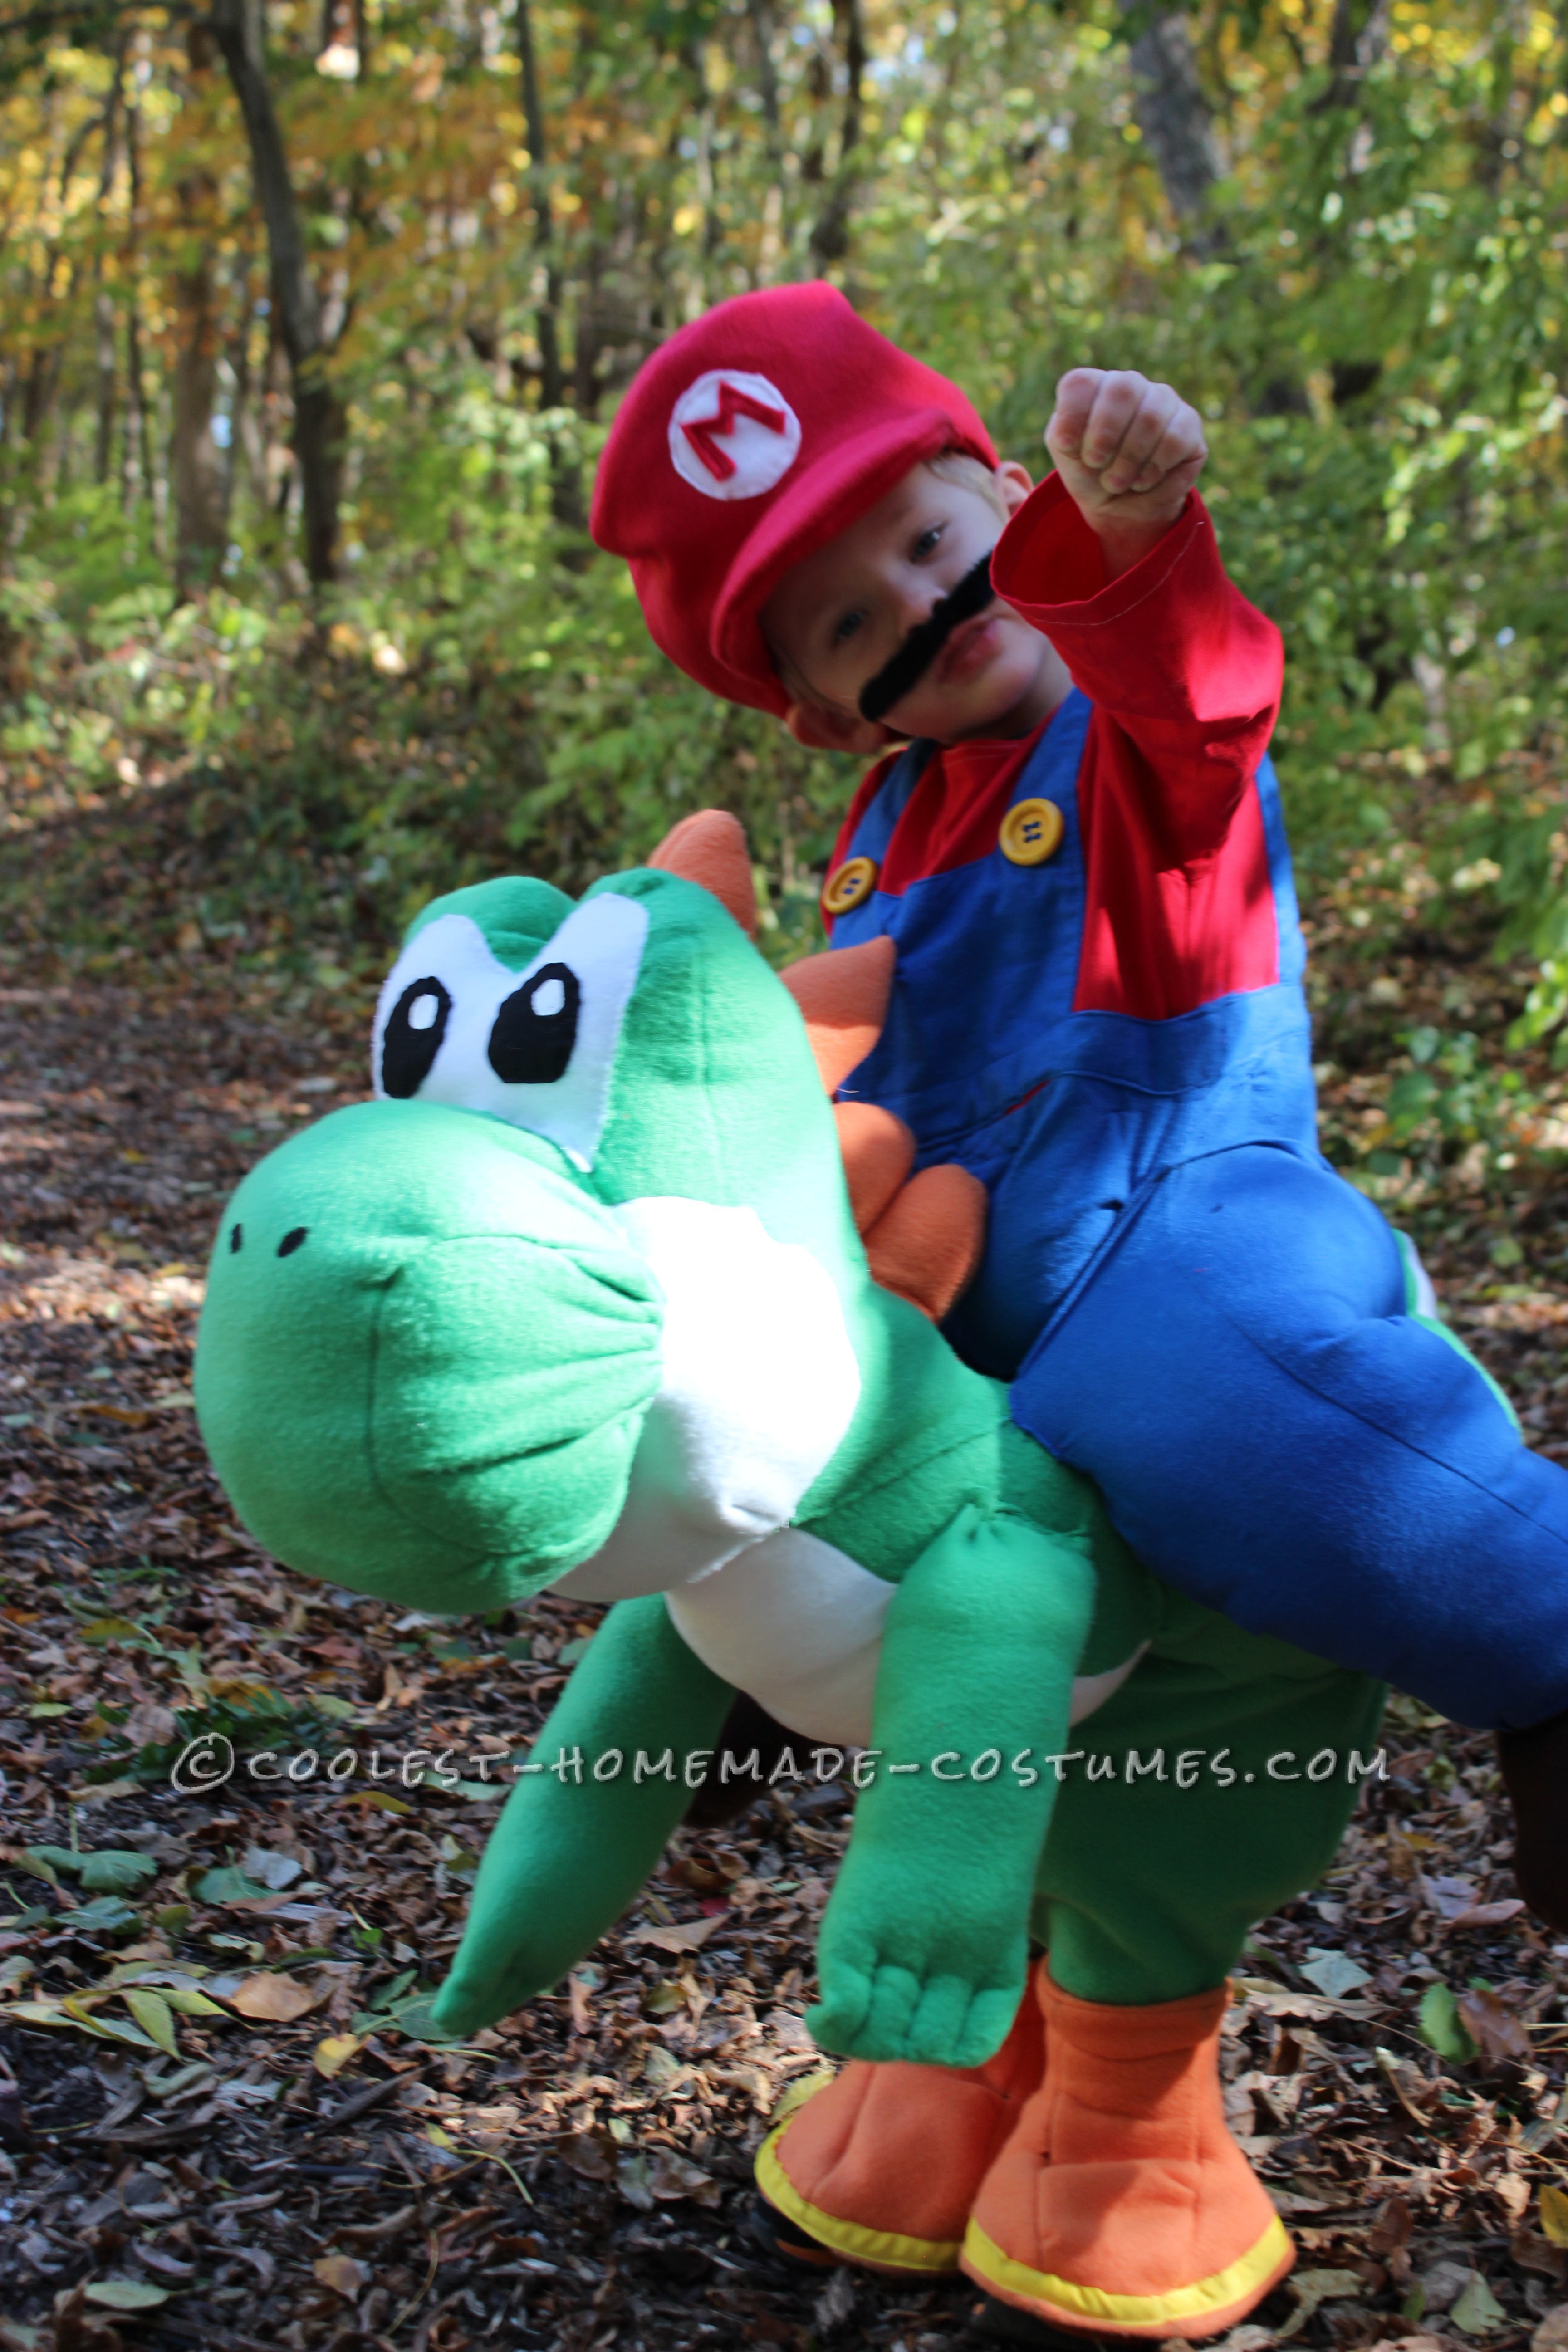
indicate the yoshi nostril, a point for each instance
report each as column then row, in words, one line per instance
column 236, row 1238
column 293, row 1241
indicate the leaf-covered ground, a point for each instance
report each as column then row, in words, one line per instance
column 219, row 2126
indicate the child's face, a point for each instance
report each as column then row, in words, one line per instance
column 840, row 615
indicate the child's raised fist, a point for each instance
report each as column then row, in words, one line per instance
column 1129, row 451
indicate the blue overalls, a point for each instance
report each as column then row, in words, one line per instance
column 1193, row 1308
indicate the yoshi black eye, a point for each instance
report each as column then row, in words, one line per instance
column 412, row 1038
column 536, row 1028
column 236, row 1237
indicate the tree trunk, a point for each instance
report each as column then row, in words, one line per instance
column 244, row 441
column 1173, row 116
column 102, row 300
column 1357, row 39
column 136, row 450
column 830, row 235
column 552, row 377
column 565, row 481
column 761, row 15
column 194, row 462
column 319, row 417
column 39, row 396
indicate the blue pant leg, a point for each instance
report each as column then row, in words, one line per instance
column 1274, row 1435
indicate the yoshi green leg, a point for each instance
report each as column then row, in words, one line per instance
column 924, row 1944
column 567, row 1855
column 1120, row 2204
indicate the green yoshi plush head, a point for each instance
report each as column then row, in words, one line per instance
column 577, row 1255
column 580, row 1300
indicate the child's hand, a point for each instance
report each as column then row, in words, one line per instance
column 1129, row 451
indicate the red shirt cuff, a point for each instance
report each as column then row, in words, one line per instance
column 1048, row 565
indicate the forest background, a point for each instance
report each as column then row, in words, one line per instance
column 312, row 316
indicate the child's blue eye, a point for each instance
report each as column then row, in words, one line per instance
column 928, row 540
column 845, row 629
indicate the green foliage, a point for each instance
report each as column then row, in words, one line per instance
column 1451, row 1094
column 1370, row 316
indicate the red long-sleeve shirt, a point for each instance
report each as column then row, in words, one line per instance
column 1185, row 675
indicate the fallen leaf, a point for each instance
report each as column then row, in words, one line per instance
column 1545, row 2128
column 126, row 2295
column 1511, row 2190
column 1529, row 2251
column 60, row 2014
column 1495, row 2028
column 1443, row 2028
column 670, row 2176
column 682, row 1936
column 1312, row 2288
column 275, row 1999
column 119, row 1629
column 1454, row 1901
column 592, row 2154
column 342, row 2274
column 226, row 1885
column 1478, row 2310
column 1392, row 2229
column 271, row 1869
column 1553, row 2214
column 152, row 2013
column 1441, row 2285
column 333, row 2054
column 191, row 2003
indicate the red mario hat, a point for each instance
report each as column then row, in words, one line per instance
column 747, row 441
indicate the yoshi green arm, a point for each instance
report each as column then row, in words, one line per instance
column 566, row 1857
column 924, row 1945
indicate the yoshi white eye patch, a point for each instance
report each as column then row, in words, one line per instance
column 922, row 647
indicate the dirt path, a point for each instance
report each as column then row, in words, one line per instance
column 232, row 2123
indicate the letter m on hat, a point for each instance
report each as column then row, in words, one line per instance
column 733, row 403
column 732, row 435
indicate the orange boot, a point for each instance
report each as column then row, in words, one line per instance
column 1122, row 2205
column 880, row 2166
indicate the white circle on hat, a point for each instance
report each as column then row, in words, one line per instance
column 732, row 435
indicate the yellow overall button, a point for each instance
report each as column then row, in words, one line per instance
column 1031, row 831
column 857, row 878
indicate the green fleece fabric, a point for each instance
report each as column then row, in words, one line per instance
column 1155, row 1873
column 568, row 1854
column 924, row 1945
column 433, row 1365
column 435, row 1394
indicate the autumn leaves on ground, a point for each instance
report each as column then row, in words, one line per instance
column 220, row 2127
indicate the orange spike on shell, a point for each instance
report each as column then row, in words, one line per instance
column 843, row 997
column 927, row 1244
column 878, row 1152
column 709, row 849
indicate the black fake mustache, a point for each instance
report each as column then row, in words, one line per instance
column 922, row 647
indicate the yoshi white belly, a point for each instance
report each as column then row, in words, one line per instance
column 799, row 1624
column 759, row 1388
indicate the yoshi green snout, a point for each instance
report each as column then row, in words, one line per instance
column 425, row 1357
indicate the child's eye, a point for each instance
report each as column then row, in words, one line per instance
column 843, row 630
column 929, row 542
